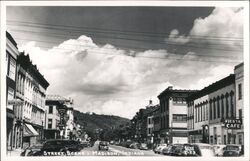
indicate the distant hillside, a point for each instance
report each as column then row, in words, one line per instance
column 96, row 121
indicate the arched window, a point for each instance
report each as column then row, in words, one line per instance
column 227, row 105
column 214, row 108
column 222, row 106
column 218, row 107
column 210, row 110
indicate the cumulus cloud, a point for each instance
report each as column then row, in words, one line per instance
column 106, row 79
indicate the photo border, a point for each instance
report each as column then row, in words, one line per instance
column 244, row 4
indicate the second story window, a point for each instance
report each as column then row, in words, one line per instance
column 179, row 117
column 240, row 91
column 12, row 69
column 51, row 109
column 49, row 123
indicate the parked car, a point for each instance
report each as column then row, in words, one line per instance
column 206, row 150
column 159, row 148
column 184, row 150
column 53, row 147
column 59, row 145
column 169, row 150
column 143, row 146
column 218, row 150
column 134, row 145
column 103, row 145
column 112, row 142
column 233, row 150
column 85, row 144
column 34, row 150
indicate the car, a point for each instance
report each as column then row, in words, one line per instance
column 159, row 148
column 34, row 150
column 206, row 150
column 143, row 146
column 168, row 150
column 85, row 144
column 183, row 150
column 103, row 145
column 134, row 145
column 218, row 150
column 233, row 150
column 52, row 148
column 112, row 142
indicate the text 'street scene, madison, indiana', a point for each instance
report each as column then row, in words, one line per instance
column 124, row 81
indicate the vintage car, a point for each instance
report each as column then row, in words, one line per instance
column 233, row 150
column 159, row 148
column 103, row 145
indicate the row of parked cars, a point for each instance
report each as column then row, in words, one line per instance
column 200, row 149
column 55, row 147
column 131, row 144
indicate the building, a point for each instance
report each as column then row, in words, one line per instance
column 173, row 115
column 239, row 92
column 52, row 118
column 156, row 124
column 59, row 118
column 144, row 124
column 207, row 111
column 31, row 89
column 11, row 57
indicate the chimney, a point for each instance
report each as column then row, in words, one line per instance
column 170, row 87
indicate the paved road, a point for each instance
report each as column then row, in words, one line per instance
column 116, row 151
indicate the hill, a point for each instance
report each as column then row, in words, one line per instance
column 93, row 121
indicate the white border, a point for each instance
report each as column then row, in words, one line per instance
column 244, row 4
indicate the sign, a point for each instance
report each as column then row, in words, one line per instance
column 233, row 123
column 15, row 102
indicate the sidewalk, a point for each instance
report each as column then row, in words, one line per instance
column 14, row 152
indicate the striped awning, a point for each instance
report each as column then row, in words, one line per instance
column 29, row 131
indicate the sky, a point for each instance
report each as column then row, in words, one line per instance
column 113, row 60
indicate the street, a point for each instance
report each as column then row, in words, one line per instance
column 115, row 150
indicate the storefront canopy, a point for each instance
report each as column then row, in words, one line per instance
column 29, row 131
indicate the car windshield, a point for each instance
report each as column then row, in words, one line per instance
column 103, row 143
column 232, row 148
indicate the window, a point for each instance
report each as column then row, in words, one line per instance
column 196, row 114
column 210, row 110
column 227, row 107
column 10, row 97
column 50, row 109
column 49, row 123
column 12, row 68
column 179, row 100
column 240, row 91
column 240, row 139
column 218, row 107
column 179, row 117
column 240, row 113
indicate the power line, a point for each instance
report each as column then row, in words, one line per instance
column 126, row 47
column 44, row 25
column 132, row 39
column 148, row 57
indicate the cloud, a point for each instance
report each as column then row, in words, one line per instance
column 215, row 37
column 106, row 79
column 174, row 37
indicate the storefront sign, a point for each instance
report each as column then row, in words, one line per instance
column 233, row 123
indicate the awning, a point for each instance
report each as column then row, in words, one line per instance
column 29, row 131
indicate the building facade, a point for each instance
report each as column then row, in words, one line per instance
column 11, row 57
column 31, row 89
column 173, row 117
column 59, row 118
column 239, row 87
column 207, row 111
